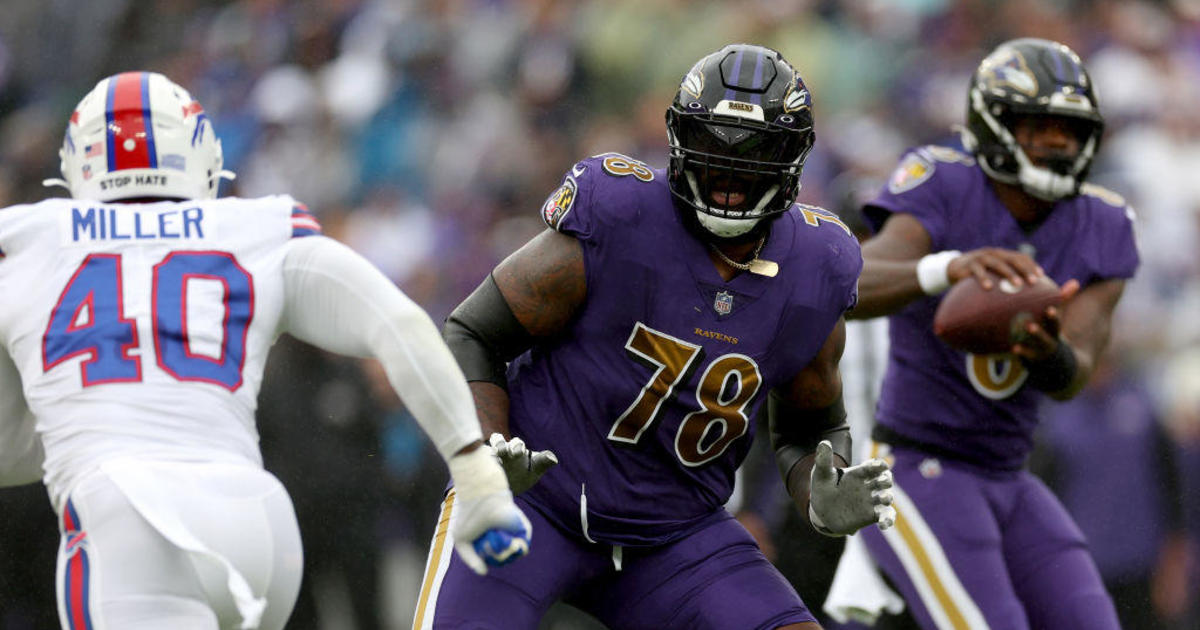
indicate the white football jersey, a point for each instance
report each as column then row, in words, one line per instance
column 143, row 329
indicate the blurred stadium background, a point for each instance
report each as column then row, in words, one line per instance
column 426, row 134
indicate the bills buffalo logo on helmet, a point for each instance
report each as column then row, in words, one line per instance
column 1007, row 67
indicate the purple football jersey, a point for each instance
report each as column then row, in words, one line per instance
column 647, row 397
column 975, row 406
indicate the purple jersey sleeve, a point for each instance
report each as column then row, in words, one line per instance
column 557, row 209
column 1112, row 220
column 842, row 268
column 908, row 191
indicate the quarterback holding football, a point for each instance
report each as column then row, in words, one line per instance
column 979, row 542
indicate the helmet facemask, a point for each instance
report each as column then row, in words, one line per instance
column 1032, row 78
column 734, row 162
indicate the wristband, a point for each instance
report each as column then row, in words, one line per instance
column 1054, row 373
column 477, row 473
column 932, row 271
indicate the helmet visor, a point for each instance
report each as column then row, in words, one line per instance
column 762, row 144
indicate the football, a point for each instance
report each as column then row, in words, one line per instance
column 980, row 321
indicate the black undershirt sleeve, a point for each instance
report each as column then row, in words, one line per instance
column 483, row 334
column 795, row 433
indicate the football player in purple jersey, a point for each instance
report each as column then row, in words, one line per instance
column 979, row 542
column 635, row 339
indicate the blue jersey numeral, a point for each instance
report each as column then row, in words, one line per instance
column 89, row 319
column 171, row 278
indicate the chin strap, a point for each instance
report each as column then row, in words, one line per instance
column 726, row 227
column 1043, row 183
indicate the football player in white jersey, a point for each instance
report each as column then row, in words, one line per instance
column 136, row 321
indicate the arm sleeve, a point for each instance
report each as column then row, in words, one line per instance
column 20, row 449
column 336, row 300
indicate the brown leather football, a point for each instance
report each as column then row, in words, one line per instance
column 972, row 319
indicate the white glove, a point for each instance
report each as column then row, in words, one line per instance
column 844, row 500
column 522, row 466
column 488, row 528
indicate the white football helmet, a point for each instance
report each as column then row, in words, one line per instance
column 137, row 134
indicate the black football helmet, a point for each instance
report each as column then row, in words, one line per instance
column 739, row 130
column 1032, row 77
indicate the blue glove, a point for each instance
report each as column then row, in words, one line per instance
column 499, row 547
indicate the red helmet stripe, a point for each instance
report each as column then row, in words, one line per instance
column 130, row 130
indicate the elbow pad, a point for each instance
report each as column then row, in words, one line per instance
column 795, row 432
column 483, row 334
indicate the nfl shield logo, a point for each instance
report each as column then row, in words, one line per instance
column 724, row 303
column 930, row 468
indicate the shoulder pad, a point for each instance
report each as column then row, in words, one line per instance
column 619, row 165
column 816, row 216
column 616, row 174
column 919, row 165
column 560, row 202
column 914, row 169
column 1103, row 194
column 303, row 221
column 947, row 154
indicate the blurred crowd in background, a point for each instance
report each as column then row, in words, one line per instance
column 427, row 133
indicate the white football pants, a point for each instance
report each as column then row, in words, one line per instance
column 186, row 546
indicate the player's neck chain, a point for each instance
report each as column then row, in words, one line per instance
column 755, row 264
column 737, row 265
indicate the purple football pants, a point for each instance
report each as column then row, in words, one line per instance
column 973, row 550
column 715, row 578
